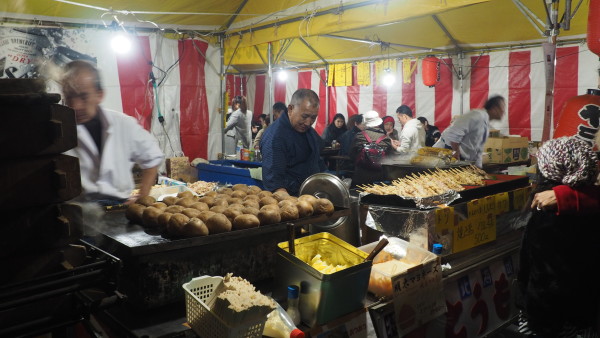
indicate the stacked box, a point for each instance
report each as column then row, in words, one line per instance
column 507, row 149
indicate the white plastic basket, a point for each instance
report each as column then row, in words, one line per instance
column 204, row 322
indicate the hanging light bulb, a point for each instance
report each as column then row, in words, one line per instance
column 282, row 75
column 389, row 78
column 121, row 43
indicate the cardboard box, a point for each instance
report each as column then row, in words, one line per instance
column 494, row 133
column 179, row 168
column 507, row 149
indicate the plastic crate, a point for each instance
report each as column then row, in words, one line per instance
column 204, row 322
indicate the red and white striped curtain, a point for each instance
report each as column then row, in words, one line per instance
column 517, row 75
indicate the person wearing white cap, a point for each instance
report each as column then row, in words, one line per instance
column 373, row 133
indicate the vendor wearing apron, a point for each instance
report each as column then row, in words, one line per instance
column 291, row 147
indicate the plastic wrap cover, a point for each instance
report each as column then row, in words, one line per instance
column 418, row 226
column 399, row 222
column 434, row 201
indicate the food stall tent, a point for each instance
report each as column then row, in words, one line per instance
column 190, row 57
column 487, row 47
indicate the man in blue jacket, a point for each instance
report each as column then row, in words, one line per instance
column 291, row 147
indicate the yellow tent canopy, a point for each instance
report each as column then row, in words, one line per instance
column 316, row 32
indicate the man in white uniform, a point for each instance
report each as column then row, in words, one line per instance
column 109, row 142
column 468, row 133
column 412, row 136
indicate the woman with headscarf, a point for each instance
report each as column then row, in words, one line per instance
column 334, row 130
column 372, row 134
column 560, row 296
column 388, row 126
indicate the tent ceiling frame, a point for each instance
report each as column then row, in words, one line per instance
column 380, row 43
column 284, row 47
column 530, row 14
column 313, row 50
column 232, row 55
column 260, row 55
column 524, row 10
column 445, row 30
column 235, row 15
column 335, row 10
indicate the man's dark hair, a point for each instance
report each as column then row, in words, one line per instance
column 404, row 109
column 280, row 106
column 305, row 94
column 74, row 67
column 493, row 101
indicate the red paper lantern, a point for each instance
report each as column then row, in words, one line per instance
column 593, row 31
column 431, row 71
column 580, row 116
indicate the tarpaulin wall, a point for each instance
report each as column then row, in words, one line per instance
column 518, row 75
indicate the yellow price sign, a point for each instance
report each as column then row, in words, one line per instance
column 473, row 208
column 474, row 231
column 502, row 205
column 488, row 205
column 444, row 218
column 520, row 198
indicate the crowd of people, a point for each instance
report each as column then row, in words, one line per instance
column 465, row 136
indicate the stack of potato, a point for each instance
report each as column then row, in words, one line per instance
column 227, row 209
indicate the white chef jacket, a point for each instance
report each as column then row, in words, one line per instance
column 125, row 142
column 470, row 131
column 412, row 136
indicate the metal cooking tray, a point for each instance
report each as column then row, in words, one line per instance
column 134, row 239
column 498, row 183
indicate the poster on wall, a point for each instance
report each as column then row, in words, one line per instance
column 27, row 53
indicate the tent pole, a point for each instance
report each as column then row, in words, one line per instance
column 461, row 78
column 270, row 78
column 222, row 92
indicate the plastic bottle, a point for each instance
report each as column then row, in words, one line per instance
column 280, row 325
column 238, row 149
column 437, row 249
column 292, row 303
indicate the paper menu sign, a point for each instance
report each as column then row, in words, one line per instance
column 418, row 296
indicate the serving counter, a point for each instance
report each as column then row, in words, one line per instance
column 480, row 232
column 479, row 292
column 155, row 266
